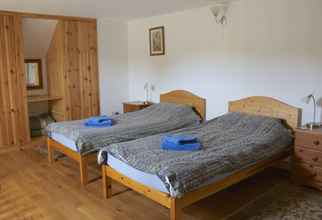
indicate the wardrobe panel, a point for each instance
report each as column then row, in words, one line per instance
column 73, row 70
column 6, row 129
column 13, row 104
column 89, row 69
column 55, row 73
column 93, row 60
column 81, row 69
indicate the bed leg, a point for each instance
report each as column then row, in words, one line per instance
column 83, row 167
column 107, row 184
column 50, row 152
column 175, row 210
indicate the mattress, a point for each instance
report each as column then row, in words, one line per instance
column 64, row 141
column 147, row 179
column 229, row 142
column 158, row 118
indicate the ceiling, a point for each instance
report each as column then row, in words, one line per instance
column 112, row 9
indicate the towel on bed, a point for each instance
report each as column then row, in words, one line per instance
column 181, row 139
column 99, row 121
column 180, row 143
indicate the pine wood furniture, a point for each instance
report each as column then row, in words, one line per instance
column 308, row 157
column 73, row 71
column 178, row 96
column 14, row 127
column 254, row 105
column 72, row 74
column 135, row 106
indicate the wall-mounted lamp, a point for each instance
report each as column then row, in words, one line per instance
column 220, row 12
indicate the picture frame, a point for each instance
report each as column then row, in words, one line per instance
column 157, row 41
column 34, row 74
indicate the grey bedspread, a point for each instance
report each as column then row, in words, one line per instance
column 229, row 142
column 153, row 120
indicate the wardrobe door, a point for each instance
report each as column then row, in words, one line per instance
column 56, row 75
column 81, row 69
column 14, row 126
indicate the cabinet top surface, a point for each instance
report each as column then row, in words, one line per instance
column 317, row 131
column 138, row 103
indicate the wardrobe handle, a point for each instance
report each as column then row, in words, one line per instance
column 316, row 143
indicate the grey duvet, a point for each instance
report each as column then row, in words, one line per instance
column 229, row 142
column 158, row 118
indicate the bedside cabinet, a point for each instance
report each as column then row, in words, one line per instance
column 135, row 106
column 308, row 157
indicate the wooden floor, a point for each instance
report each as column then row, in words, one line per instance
column 31, row 189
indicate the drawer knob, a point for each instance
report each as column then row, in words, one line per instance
column 315, row 159
column 316, row 143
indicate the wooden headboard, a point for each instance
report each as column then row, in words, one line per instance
column 266, row 106
column 186, row 98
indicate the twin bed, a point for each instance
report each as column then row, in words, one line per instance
column 254, row 135
column 178, row 109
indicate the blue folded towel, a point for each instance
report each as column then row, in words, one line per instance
column 181, row 139
column 182, row 143
column 99, row 121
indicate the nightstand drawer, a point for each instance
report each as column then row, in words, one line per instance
column 309, row 140
column 308, row 156
column 309, row 172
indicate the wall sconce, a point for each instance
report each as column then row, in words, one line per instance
column 219, row 11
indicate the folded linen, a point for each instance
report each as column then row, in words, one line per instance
column 99, row 121
column 168, row 145
column 181, row 139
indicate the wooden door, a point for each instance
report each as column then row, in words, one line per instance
column 81, row 69
column 14, row 123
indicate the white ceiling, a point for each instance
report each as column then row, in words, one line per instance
column 112, row 9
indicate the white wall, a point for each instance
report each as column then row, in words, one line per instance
column 271, row 48
column 113, row 65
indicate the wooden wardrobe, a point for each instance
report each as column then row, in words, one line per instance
column 14, row 124
column 73, row 72
column 72, row 69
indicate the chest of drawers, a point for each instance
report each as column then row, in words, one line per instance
column 308, row 157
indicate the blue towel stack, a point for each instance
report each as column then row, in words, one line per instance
column 99, row 121
column 180, row 143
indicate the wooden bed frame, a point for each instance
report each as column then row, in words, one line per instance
column 177, row 96
column 254, row 105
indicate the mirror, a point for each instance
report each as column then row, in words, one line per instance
column 34, row 74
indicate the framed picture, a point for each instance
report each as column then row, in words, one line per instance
column 157, row 42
